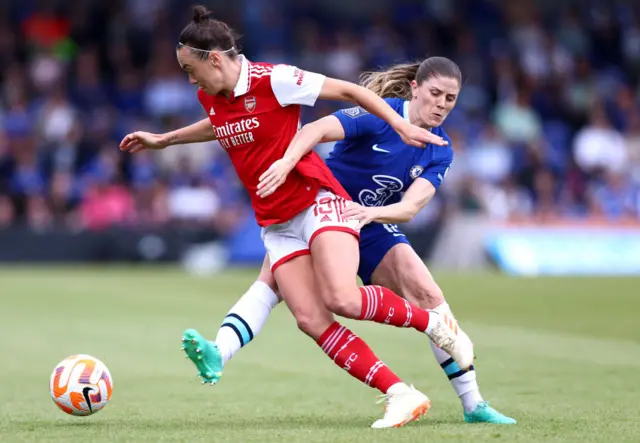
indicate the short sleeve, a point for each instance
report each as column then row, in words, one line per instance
column 436, row 171
column 293, row 86
column 358, row 122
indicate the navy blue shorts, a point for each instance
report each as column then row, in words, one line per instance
column 375, row 241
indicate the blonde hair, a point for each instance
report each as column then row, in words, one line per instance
column 395, row 82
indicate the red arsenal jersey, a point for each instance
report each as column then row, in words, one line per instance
column 256, row 125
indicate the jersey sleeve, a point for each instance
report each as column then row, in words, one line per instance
column 358, row 122
column 436, row 171
column 293, row 86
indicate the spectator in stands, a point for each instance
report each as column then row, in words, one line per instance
column 616, row 198
column 193, row 203
column 7, row 211
column 106, row 204
column 517, row 120
column 598, row 147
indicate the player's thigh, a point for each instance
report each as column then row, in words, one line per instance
column 333, row 243
column 296, row 281
column 266, row 276
column 335, row 259
column 283, row 243
column 403, row 269
column 375, row 241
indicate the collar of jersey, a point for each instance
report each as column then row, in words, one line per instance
column 242, row 87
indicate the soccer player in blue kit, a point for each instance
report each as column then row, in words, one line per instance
column 389, row 182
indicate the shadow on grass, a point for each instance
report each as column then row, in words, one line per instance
column 216, row 423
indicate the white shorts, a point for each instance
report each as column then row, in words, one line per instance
column 285, row 241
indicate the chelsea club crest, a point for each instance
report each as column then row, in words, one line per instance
column 415, row 171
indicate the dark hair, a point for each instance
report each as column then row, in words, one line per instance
column 396, row 80
column 206, row 33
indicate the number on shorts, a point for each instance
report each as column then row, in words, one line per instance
column 330, row 205
column 323, row 206
column 392, row 228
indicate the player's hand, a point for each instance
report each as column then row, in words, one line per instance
column 416, row 136
column 363, row 214
column 274, row 177
column 139, row 141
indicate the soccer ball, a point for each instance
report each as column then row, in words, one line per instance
column 81, row 385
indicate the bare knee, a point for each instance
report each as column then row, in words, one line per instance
column 346, row 302
column 313, row 324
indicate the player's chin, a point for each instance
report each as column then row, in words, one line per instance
column 435, row 120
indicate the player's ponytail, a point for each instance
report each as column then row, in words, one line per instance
column 204, row 33
column 395, row 82
column 201, row 14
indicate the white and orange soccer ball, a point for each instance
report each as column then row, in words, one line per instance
column 81, row 385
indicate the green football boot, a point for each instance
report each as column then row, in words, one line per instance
column 483, row 413
column 204, row 354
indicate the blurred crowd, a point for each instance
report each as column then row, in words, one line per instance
column 547, row 125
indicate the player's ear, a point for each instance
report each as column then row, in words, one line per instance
column 414, row 89
column 214, row 59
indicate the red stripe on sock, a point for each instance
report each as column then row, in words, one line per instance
column 382, row 305
column 352, row 354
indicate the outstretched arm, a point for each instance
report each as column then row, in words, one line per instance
column 333, row 89
column 201, row 131
column 292, row 85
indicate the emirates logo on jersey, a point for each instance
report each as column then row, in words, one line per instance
column 237, row 133
column 250, row 104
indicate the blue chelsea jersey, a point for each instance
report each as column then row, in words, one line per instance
column 375, row 166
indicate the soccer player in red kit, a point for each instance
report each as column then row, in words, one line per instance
column 254, row 110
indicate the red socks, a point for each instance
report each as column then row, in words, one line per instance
column 353, row 355
column 382, row 305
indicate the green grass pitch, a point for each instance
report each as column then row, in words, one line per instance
column 561, row 355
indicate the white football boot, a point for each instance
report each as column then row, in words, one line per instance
column 404, row 405
column 447, row 335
